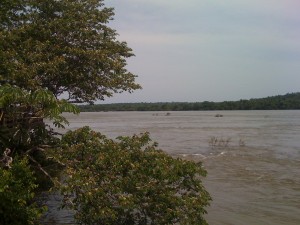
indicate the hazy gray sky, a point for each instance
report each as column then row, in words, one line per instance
column 214, row 50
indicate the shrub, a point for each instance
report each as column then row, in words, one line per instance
column 16, row 195
column 129, row 181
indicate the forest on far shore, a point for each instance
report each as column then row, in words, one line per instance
column 280, row 102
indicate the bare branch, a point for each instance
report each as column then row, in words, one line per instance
column 41, row 168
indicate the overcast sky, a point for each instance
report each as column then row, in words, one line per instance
column 210, row 50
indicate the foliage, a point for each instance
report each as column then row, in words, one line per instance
column 22, row 114
column 64, row 49
column 23, row 130
column 16, row 194
column 63, row 46
column 282, row 102
column 39, row 103
column 129, row 181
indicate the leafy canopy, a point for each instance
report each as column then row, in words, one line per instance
column 129, row 181
column 63, row 46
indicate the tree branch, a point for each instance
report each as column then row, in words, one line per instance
column 41, row 168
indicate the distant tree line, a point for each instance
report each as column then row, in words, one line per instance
column 280, row 102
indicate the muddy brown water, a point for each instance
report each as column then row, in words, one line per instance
column 252, row 158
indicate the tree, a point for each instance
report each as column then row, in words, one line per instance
column 57, row 52
column 51, row 49
column 63, row 46
column 23, row 131
column 129, row 181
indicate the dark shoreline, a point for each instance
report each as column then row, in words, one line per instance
column 280, row 102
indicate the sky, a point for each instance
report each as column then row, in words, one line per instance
column 209, row 50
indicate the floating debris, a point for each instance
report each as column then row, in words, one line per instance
column 218, row 115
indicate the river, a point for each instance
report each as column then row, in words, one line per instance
column 252, row 158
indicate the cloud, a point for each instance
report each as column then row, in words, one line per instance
column 211, row 48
